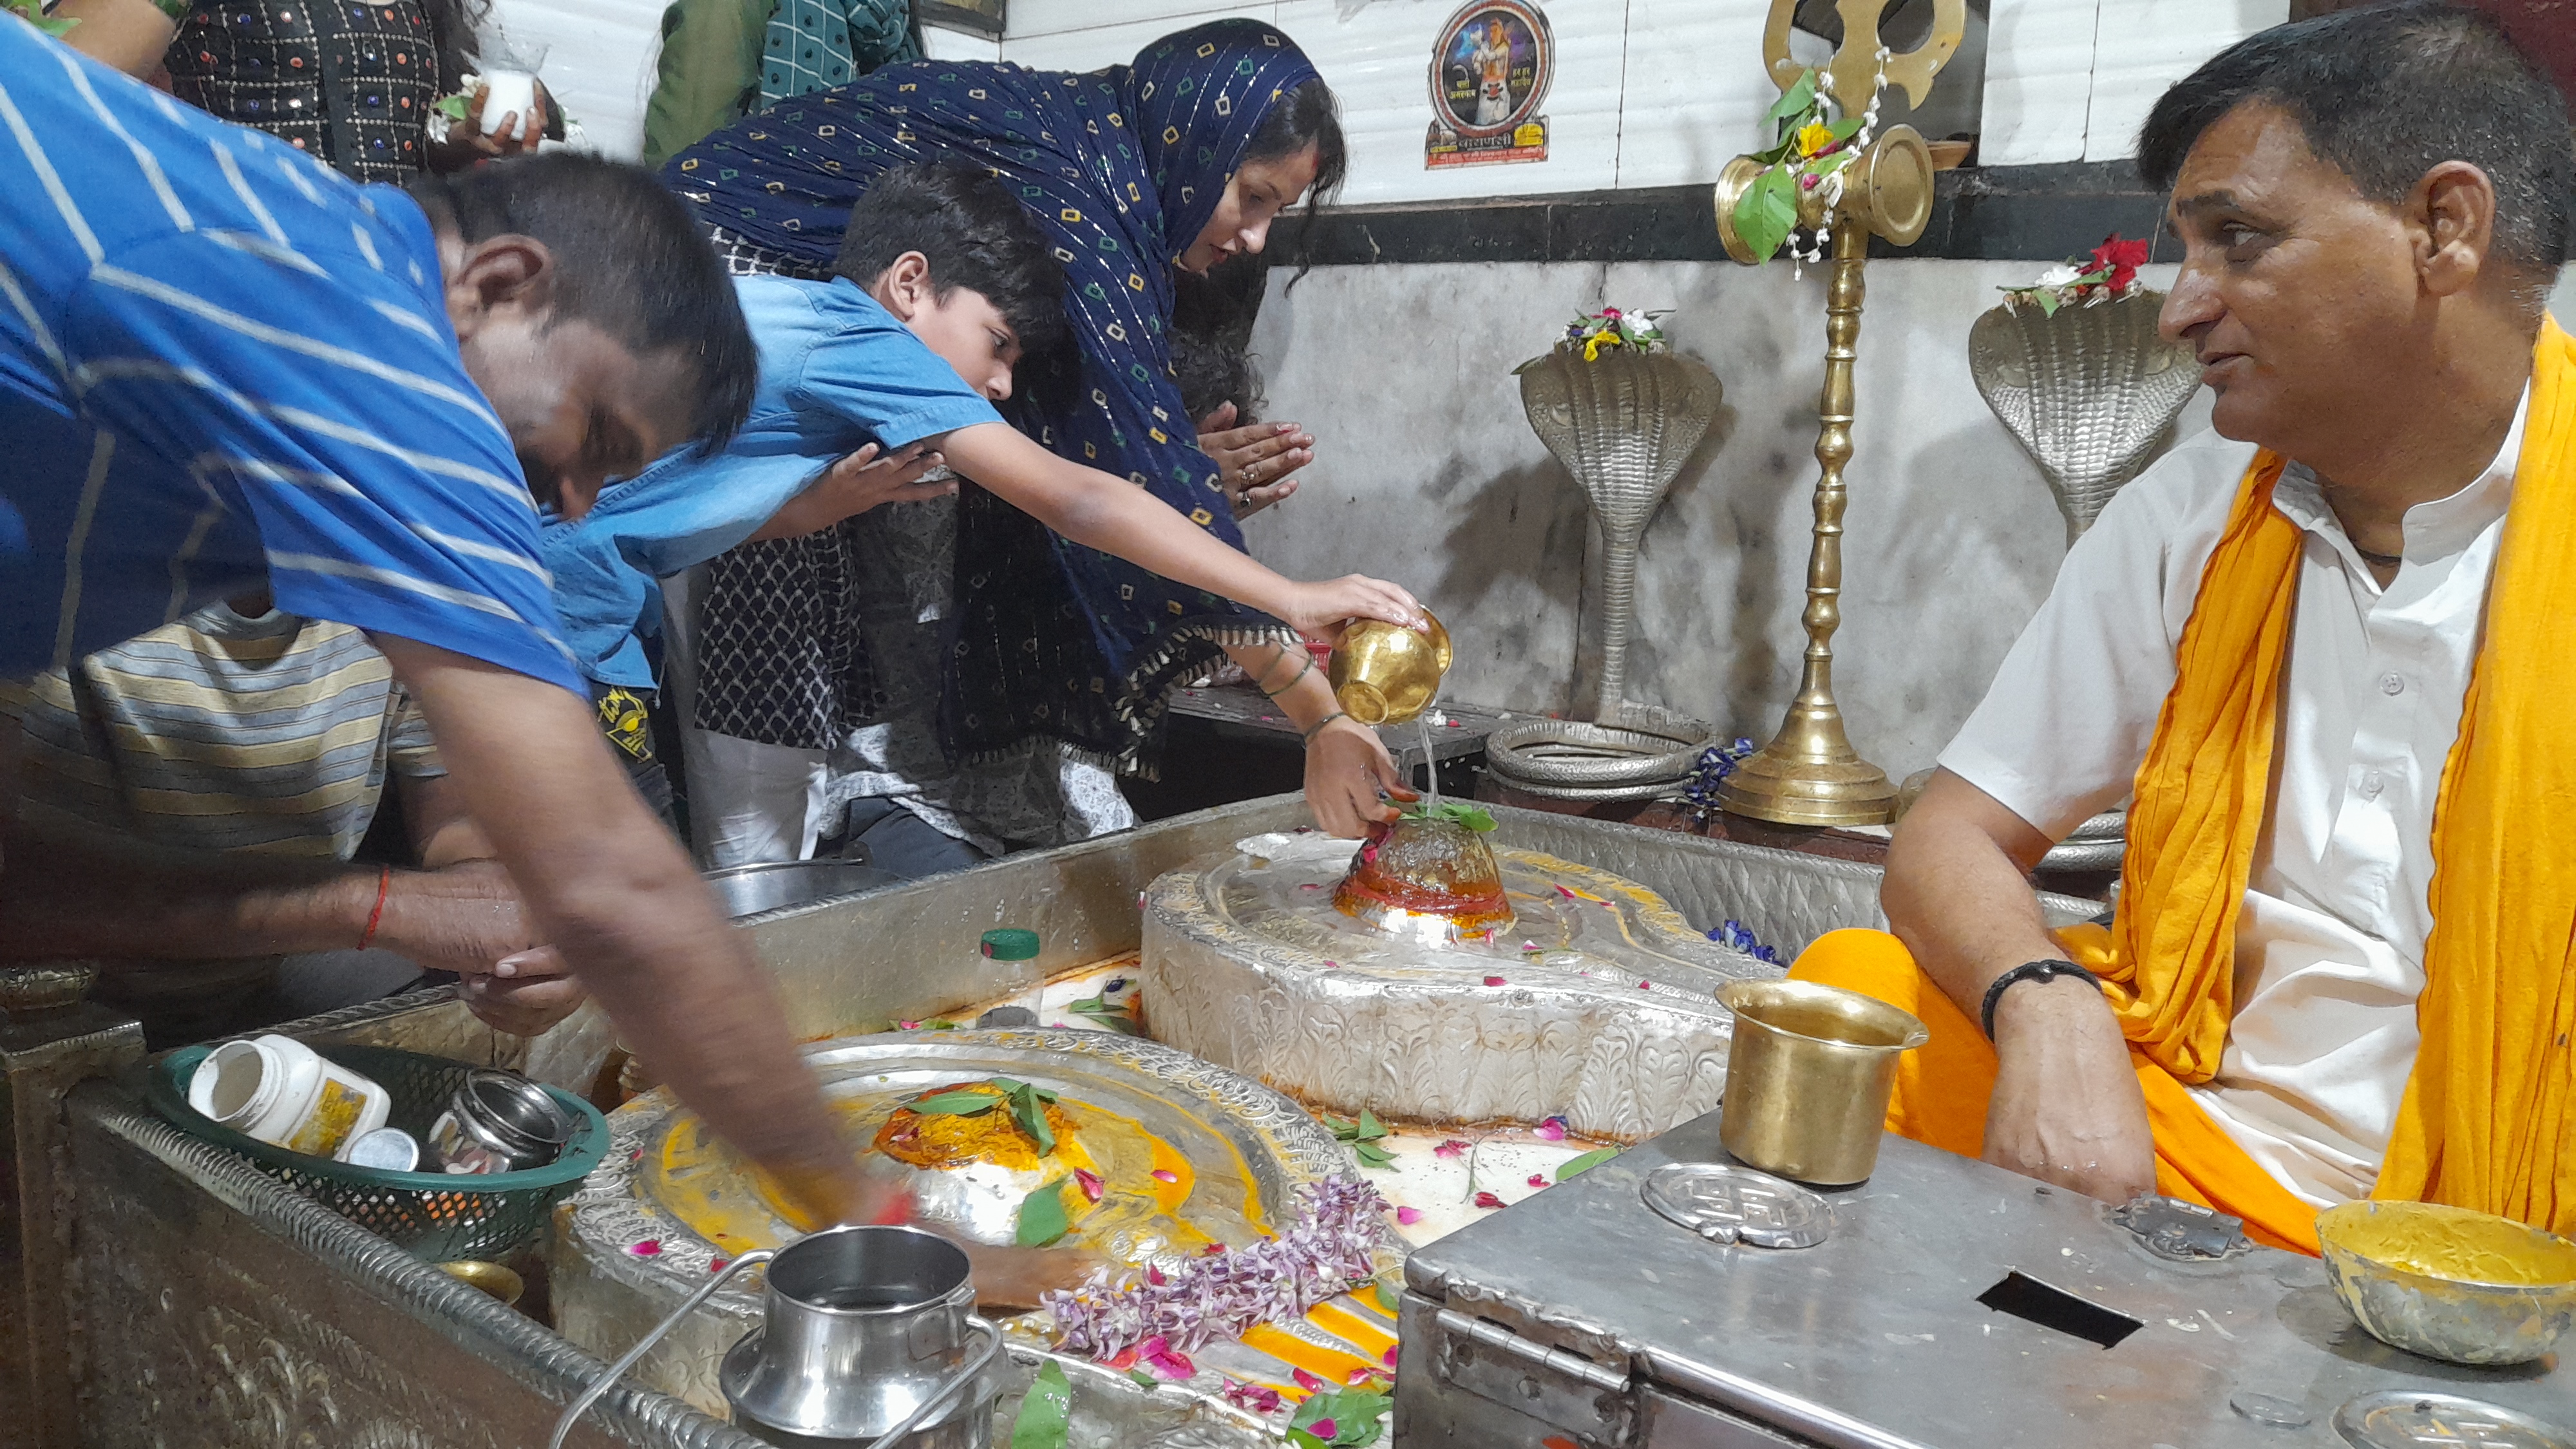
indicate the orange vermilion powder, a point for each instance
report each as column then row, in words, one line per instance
column 942, row 1140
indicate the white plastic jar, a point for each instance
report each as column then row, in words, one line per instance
column 286, row 1094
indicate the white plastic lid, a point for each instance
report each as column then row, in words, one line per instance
column 390, row 1149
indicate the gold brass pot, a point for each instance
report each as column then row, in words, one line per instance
column 1383, row 674
column 492, row 1278
column 1808, row 1076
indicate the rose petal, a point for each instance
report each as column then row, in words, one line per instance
column 1645, row 986
column 1089, row 1182
column 1359, row 1376
column 1493, row 981
column 1408, row 1216
column 1307, row 1381
column 1551, row 1130
column 1488, row 1200
column 649, row 1248
column 1324, row 1429
column 909, row 1025
column 1536, row 1180
column 1165, row 1174
column 1451, row 1148
column 717, row 1265
column 1389, row 1355
column 1154, row 1275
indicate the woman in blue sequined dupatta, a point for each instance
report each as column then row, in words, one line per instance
column 1181, row 159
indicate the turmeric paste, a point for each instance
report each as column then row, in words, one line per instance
column 947, row 1139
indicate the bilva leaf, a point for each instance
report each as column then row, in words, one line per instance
column 1030, row 1113
column 1572, row 1165
column 1766, row 211
column 1046, row 1414
column 965, row 1103
column 1800, row 95
column 1042, row 1219
column 1370, row 1129
column 1372, row 1155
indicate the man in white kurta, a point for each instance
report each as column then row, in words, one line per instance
column 2371, row 207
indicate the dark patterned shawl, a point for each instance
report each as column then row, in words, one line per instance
column 1121, row 168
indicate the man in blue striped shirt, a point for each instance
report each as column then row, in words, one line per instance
column 222, row 366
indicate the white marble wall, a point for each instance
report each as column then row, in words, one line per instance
column 1429, row 474
column 1665, row 92
column 2071, row 80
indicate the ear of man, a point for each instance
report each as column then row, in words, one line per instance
column 506, row 273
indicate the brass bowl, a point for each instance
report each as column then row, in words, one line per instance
column 1383, row 674
column 500, row 1282
column 1808, row 1077
column 2448, row 1282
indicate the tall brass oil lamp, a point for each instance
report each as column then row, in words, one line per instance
column 1809, row 774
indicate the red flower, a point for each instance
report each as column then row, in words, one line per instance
column 1488, row 1200
column 2122, row 257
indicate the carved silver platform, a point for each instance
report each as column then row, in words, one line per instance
column 1599, row 1004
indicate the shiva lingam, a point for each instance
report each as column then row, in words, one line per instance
column 1809, row 774
column 2079, row 374
column 1434, row 978
column 1622, row 412
column 1425, row 876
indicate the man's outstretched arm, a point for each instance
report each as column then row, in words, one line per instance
column 610, row 888
column 2066, row 1108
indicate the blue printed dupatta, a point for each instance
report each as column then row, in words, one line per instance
column 1121, row 169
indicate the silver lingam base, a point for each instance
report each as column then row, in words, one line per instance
column 1601, row 1009
column 622, row 1260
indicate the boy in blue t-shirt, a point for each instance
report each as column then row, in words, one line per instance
column 891, row 376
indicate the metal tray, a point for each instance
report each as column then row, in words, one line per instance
column 622, row 1258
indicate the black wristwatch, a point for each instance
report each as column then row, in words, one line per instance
column 2028, row 971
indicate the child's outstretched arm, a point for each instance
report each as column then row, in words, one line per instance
column 1100, row 511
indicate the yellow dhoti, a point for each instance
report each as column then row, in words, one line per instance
column 1942, row 1089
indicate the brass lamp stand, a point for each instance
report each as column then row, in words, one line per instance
column 1809, row 774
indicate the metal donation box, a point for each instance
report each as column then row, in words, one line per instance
column 1943, row 1304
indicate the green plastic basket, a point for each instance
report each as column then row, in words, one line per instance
column 433, row 1215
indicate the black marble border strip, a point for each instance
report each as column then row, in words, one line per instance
column 2022, row 213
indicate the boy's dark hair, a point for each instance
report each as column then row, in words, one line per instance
column 628, row 259
column 975, row 235
column 1212, row 373
column 2386, row 93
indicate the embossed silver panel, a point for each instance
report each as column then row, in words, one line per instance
column 1599, row 1004
column 1725, row 1203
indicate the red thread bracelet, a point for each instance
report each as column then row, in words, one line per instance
column 384, row 887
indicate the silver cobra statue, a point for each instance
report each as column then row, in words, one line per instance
column 2091, row 393
column 1622, row 424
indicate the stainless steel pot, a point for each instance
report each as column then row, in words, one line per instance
column 750, row 889
column 498, row 1122
column 865, row 1341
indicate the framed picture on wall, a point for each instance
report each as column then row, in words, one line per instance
column 977, row 17
column 1490, row 69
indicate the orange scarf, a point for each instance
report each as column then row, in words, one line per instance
column 2489, row 1116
